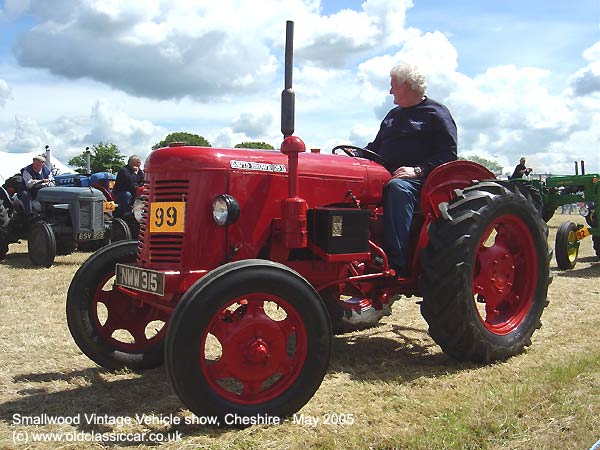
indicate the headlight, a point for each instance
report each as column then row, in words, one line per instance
column 226, row 210
column 138, row 209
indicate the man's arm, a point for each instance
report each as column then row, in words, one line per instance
column 445, row 141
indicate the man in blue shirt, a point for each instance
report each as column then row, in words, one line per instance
column 416, row 136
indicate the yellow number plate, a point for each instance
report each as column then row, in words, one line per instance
column 582, row 233
column 167, row 217
column 109, row 206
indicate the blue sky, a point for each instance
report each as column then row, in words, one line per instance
column 520, row 77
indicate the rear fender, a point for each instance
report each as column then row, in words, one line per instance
column 438, row 188
column 443, row 180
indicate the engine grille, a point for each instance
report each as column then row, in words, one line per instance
column 91, row 216
column 162, row 248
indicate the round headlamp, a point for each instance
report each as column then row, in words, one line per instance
column 226, row 210
column 138, row 209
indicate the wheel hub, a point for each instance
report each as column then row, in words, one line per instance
column 258, row 352
column 504, row 272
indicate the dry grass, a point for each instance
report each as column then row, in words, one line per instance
column 401, row 391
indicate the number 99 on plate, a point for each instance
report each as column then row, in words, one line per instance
column 167, row 217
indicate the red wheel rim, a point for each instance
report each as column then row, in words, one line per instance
column 123, row 323
column 505, row 274
column 253, row 349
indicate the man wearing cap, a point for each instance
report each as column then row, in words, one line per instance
column 35, row 176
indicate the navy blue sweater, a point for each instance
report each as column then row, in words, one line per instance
column 423, row 135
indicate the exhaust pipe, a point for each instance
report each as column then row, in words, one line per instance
column 88, row 161
column 288, row 97
column 293, row 209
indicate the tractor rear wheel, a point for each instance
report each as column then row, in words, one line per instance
column 251, row 338
column 4, row 223
column 485, row 273
column 566, row 246
column 109, row 326
column 41, row 244
column 119, row 230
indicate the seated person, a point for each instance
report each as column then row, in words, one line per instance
column 35, row 176
column 129, row 177
column 521, row 170
column 416, row 136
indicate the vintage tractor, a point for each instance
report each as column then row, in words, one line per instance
column 246, row 259
column 582, row 189
column 63, row 217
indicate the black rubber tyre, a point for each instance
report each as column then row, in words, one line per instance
column 566, row 246
column 267, row 366
column 98, row 330
column 596, row 242
column 41, row 244
column 65, row 245
column 592, row 218
column 485, row 273
column 119, row 230
column 547, row 214
column 4, row 223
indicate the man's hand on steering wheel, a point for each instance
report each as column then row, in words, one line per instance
column 361, row 153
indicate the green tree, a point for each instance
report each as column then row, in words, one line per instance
column 188, row 138
column 256, row 145
column 104, row 157
column 492, row 166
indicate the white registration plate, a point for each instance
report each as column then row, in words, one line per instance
column 90, row 235
column 140, row 279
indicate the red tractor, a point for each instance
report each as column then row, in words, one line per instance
column 247, row 260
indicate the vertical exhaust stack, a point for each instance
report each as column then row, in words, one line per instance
column 576, row 168
column 88, row 162
column 293, row 208
column 288, row 97
column 582, row 167
column 48, row 157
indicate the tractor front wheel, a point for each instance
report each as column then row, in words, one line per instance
column 250, row 339
column 485, row 273
column 566, row 246
column 41, row 244
column 109, row 326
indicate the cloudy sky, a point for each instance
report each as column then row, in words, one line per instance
column 521, row 77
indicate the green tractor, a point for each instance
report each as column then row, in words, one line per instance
column 565, row 190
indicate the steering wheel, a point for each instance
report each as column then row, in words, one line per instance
column 368, row 154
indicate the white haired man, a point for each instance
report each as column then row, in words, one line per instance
column 416, row 136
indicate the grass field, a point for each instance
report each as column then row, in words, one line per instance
column 387, row 387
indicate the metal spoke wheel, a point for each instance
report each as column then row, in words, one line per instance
column 109, row 325
column 252, row 337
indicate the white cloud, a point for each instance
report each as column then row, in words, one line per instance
column 5, row 92
column 587, row 79
column 215, row 69
column 253, row 125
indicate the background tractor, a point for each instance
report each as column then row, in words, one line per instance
column 63, row 217
column 247, row 260
column 566, row 190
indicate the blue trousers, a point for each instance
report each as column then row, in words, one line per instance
column 125, row 201
column 400, row 198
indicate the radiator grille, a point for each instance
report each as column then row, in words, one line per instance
column 91, row 215
column 162, row 248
